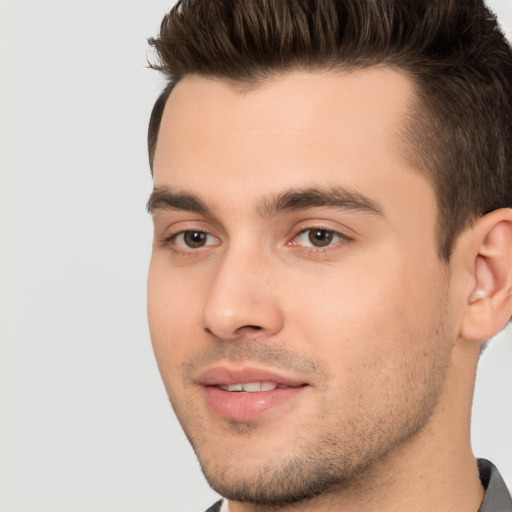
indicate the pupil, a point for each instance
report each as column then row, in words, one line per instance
column 320, row 237
column 195, row 238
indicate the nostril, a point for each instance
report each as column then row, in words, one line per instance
column 240, row 332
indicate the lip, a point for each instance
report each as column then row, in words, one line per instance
column 225, row 375
column 244, row 406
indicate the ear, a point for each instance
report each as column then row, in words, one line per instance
column 489, row 301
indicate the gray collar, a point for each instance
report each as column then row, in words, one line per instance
column 497, row 497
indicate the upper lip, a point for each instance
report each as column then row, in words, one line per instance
column 222, row 375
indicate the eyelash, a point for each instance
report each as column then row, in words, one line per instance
column 170, row 241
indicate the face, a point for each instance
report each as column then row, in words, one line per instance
column 297, row 306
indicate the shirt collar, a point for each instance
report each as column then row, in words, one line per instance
column 497, row 497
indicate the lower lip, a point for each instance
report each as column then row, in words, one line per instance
column 244, row 406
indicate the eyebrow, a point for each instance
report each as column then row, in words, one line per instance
column 331, row 197
column 163, row 198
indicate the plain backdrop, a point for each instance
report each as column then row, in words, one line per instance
column 85, row 424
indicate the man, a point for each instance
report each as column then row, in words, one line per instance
column 333, row 242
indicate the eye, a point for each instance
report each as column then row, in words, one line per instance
column 194, row 239
column 318, row 237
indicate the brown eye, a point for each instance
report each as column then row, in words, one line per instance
column 194, row 239
column 186, row 241
column 320, row 237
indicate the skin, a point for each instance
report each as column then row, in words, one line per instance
column 379, row 327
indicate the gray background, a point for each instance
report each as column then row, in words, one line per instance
column 84, row 421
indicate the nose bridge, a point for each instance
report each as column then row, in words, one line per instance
column 241, row 295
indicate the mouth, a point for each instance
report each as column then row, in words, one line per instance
column 246, row 394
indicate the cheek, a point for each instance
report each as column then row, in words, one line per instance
column 373, row 334
column 171, row 305
column 367, row 312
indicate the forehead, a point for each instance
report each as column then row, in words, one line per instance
column 298, row 129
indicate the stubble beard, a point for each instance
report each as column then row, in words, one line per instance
column 333, row 462
column 338, row 453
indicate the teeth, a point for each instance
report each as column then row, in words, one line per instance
column 250, row 387
column 232, row 387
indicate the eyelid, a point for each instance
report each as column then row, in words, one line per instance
column 333, row 227
column 177, row 229
column 343, row 237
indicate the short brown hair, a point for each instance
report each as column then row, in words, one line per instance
column 460, row 133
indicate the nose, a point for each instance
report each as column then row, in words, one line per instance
column 243, row 298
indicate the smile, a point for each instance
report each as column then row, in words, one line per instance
column 247, row 392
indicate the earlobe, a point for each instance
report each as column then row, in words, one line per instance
column 489, row 303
